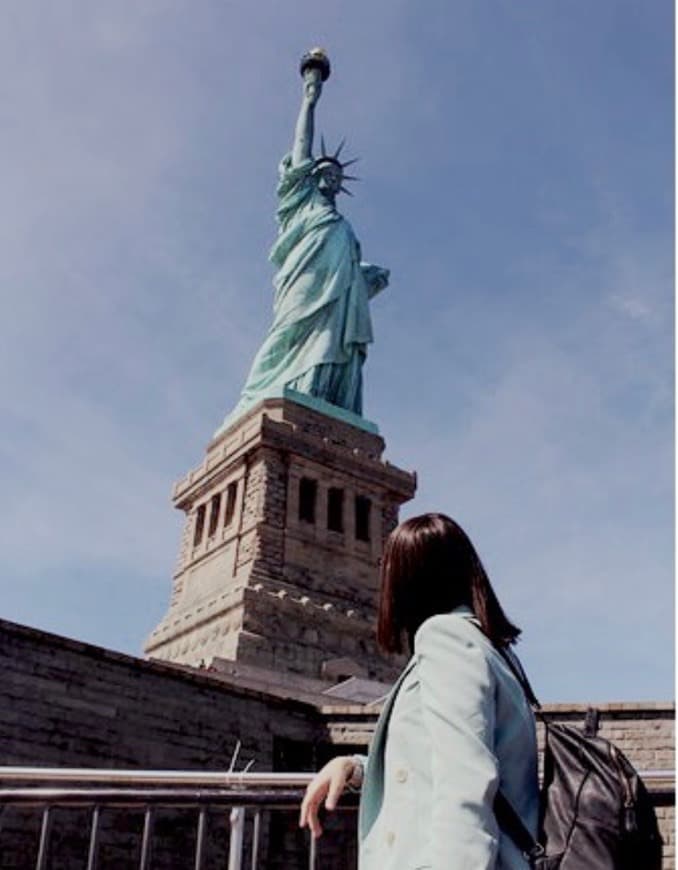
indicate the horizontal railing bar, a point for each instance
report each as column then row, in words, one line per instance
column 129, row 797
column 658, row 779
column 153, row 777
column 654, row 779
column 649, row 775
column 134, row 796
column 196, row 777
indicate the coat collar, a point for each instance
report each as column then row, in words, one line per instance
column 464, row 610
column 373, row 785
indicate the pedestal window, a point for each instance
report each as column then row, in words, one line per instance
column 335, row 509
column 308, row 496
column 215, row 504
column 199, row 524
column 363, row 507
column 231, row 493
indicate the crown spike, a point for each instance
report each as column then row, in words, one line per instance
column 345, row 190
column 351, row 177
column 323, row 147
column 350, row 162
column 339, row 147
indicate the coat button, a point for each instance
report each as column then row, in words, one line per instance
column 390, row 838
column 401, row 775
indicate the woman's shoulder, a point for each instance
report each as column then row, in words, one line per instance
column 457, row 625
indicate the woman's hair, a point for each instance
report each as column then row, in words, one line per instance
column 430, row 566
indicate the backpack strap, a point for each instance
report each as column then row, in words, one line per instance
column 507, row 818
column 511, row 824
column 516, row 669
column 592, row 722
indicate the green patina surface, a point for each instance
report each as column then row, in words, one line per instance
column 317, row 343
column 330, row 410
column 315, row 403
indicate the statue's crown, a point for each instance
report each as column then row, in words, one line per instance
column 333, row 159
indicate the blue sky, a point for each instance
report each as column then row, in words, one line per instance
column 517, row 166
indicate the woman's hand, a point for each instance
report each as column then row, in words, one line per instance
column 327, row 785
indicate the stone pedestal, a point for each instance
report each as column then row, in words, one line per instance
column 278, row 567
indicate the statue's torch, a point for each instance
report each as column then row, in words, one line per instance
column 315, row 66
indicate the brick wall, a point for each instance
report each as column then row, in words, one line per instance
column 69, row 704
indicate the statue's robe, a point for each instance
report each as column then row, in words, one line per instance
column 321, row 326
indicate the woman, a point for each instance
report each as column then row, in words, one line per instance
column 456, row 726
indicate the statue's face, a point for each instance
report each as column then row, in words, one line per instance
column 330, row 179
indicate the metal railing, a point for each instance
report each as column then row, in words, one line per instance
column 246, row 795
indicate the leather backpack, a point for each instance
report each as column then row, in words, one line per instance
column 595, row 812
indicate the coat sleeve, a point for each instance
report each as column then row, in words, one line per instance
column 457, row 691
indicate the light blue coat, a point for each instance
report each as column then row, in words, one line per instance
column 454, row 727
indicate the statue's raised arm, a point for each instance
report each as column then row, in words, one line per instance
column 315, row 69
column 321, row 326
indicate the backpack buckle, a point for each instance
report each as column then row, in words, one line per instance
column 537, row 851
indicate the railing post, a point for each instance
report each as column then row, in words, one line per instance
column 200, row 838
column 144, row 858
column 93, row 839
column 256, row 833
column 312, row 853
column 41, row 862
column 237, row 831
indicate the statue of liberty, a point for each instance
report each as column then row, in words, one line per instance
column 321, row 327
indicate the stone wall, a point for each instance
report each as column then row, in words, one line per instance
column 67, row 703
column 70, row 704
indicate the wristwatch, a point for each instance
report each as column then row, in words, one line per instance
column 356, row 778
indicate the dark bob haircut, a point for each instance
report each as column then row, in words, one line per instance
column 430, row 566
